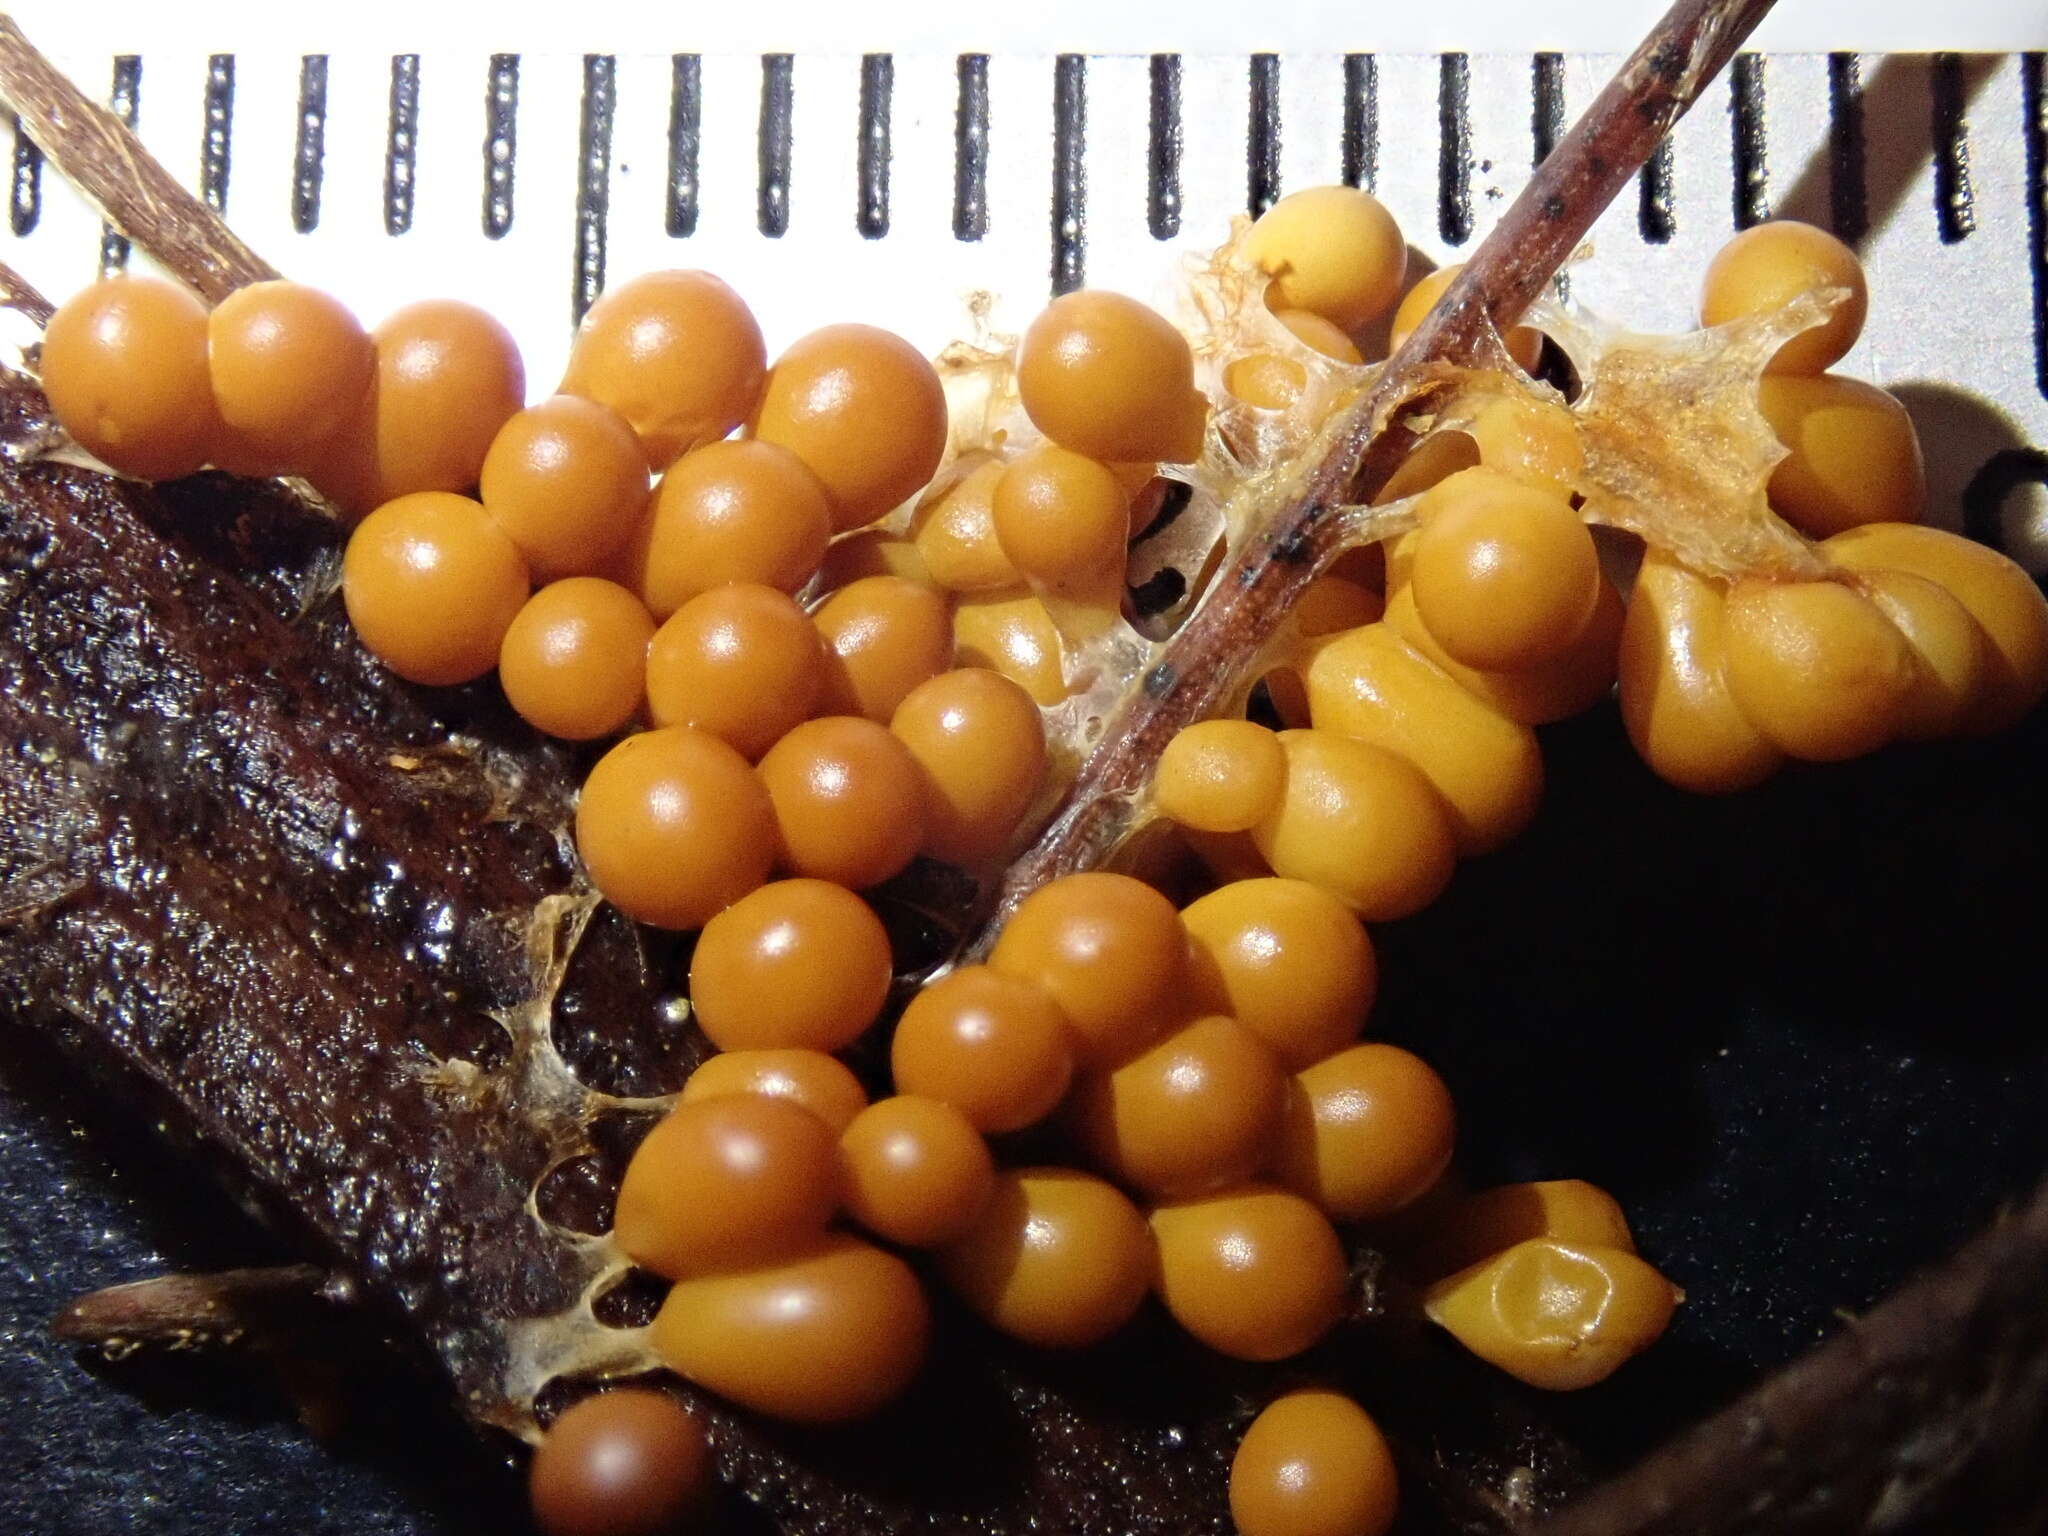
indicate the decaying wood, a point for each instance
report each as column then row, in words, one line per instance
column 278, row 899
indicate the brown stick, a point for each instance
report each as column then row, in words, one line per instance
column 192, row 1311
column 1949, row 1375
column 18, row 293
column 1205, row 665
column 98, row 153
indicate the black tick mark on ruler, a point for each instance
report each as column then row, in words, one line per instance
column 25, row 185
column 1656, row 215
column 1262, row 135
column 125, row 101
column 401, row 142
column 1361, row 145
column 685, row 142
column 501, row 143
column 1748, row 142
column 1069, row 172
column 309, row 149
column 1848, row 200
column 219, row 131
column 1955, row 210
column 2034, row 130
column 970, row 148
column 593, row 178
column 1454, row 149
column 1546, row 105
column 877, row 86
column 1162, row 161
column 778, row 96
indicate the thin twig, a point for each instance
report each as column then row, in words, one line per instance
column 102, row 157
column 221, row 1309
column 1205, row 664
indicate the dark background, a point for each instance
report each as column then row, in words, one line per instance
column 1798, row 1032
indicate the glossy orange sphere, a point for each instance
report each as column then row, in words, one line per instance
column 1287, row 960
column 981, row 743
column 1110, row 952
column 564, row 478
column 448, row 377
column 820, row 1083
column 124, row 366
column 289, row 366
column 847, row 799
column 798, row 963
column 1106, row 376
column 574, row 662
column 432, row 586
column 677, row 354
column 885, row 635
column 1254, row 1272
column 674, row 827
column 1313, row 1463
column 864, row 410
column 1366, row 1132
column 993, row 1047
column 725, row 1183
column 737, row 511
column 628, row 1462
column 1057, row 1258
column 917, row 1173
column 828, row 1335
column 1063, row 520
column 742, row 662
column 1196, row 1111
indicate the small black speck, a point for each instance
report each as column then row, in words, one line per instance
column 1292, row 549
column 1553, row 207
column 1160, row 680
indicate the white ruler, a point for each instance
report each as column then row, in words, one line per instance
column 886, row 187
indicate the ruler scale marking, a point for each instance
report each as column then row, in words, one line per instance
column 970, row 148
column 1454, row 149
column 125, row 101
column 1163, row 148
column 1262, row 135
column 401, row 143
column 685, row 143
column 1069, row 173
column 25, row 185
column 2034, row 131
column 218, row 138
column 1848, row 194
column 501, row 144
column 778, row 99
column 309, row 146
column 593, row 178
column 1361, row 120
column 1955, row 208
column 1748, row 145
column 1546, row 107
column 877, row 88
column 1656, row 211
